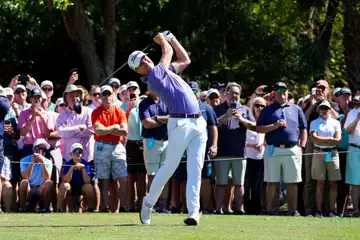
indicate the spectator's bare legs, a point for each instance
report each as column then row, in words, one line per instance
column 64, row 189
column 229, row 196
column 7, row 195
column 104, row 186
column 292, row 197
column 271, row 194
column 46, row 193
column 206, row 195
column 175, row 193
column 24, row 190
column 355, row 194
column 141, row 188
column 132, row 177
column 122, row 187
column 97, row 196
column 15, row 195
column 220, row 193
column 114, row 198
column 239, row 197
column 320, row 184
column 89, row 194
column 332, row 195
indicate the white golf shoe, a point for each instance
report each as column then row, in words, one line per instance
column 145, row 213
column 193, row 219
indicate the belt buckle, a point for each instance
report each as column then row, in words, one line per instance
column 282, row 145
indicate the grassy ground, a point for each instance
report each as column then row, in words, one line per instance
column 126, row 226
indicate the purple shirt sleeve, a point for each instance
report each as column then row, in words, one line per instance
column 144, row 111
column 4, row 107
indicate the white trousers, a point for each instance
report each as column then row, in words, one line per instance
column 185, row 134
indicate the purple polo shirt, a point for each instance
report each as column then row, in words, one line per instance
column 172, row 90
column 231, row 142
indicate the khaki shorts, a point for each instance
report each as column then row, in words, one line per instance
column 287, row 159
column 238, row 168
column 154, row 157
column 320, row 168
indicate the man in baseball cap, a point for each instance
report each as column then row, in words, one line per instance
column 48, row 88
column 184, row 109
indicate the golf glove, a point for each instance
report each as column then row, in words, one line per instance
column 168, row 35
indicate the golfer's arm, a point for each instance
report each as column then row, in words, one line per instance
column 183, row 59
column 167, row 53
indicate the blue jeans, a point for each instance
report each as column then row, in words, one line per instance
column 253, row 179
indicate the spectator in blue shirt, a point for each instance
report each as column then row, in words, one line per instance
column 234, row 119
column 36, row 174
column 284, row 125
column 77, row 175
column 154, row 115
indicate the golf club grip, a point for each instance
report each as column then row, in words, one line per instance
column 123, row 65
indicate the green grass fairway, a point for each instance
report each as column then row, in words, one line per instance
column 171, row 227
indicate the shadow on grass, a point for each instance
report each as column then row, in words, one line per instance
column 75, row 226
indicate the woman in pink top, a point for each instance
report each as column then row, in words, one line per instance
column 75, row 127
column 33, row 122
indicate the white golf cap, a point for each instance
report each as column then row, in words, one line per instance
column 46, row 82
column 76, row 146
column 212, row 91
column 106, row 88
column 9, row 91
column 325, row 103
column 2, row 92
column 336, row 90
column 114, row 80
column 59, row 101
column 41, row 141
column 203, row 94
column 123, row 88
column 134, row 59
column 132, row 84
column 19, row 86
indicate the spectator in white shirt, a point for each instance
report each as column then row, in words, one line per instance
column 254, row 152
column 95, row 97
column 352, row 166
column 325, row 132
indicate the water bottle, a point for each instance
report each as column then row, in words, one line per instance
column 283, row 117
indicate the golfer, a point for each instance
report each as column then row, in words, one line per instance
column 186, row 126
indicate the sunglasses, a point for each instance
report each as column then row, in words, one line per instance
column 321, row 87
column 259, row 106
column 63, row 105
column 18, row 92
column 324, row 108
column 234, row 93
column 39, row 149
column 106, row 93
column 95, row 94
column 47, row 89
column 116, row 86
column 78, row 152
column 280, row 90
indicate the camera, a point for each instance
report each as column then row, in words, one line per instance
column 78, row 107
column 233, row 105
column 132, row 96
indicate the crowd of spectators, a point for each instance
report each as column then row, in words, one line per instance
column 100, row 150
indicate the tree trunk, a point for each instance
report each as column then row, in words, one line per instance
column 108, row 13
column 79, row 30
column 351, row 42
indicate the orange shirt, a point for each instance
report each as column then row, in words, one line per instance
column 108, row 117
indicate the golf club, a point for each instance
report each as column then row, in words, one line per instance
column 112, row 74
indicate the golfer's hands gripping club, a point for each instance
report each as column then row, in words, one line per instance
column 168, row 35
column 160, row 39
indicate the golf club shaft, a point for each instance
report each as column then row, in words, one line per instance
column 112, row 74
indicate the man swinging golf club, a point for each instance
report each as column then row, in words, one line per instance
column 186, row 126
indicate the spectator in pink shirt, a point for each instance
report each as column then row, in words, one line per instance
column 33, row 122
column 76, row 127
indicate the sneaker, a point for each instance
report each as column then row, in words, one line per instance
column 46, row 210
column 192, row 219
column 22, row 210
column 319, row 214
column 333, row 214
column 163, row 211
column 239, row 212
column 145, row 213
column 296, row 214
column 122, row 209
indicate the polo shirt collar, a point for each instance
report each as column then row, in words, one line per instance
column 287, row 104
